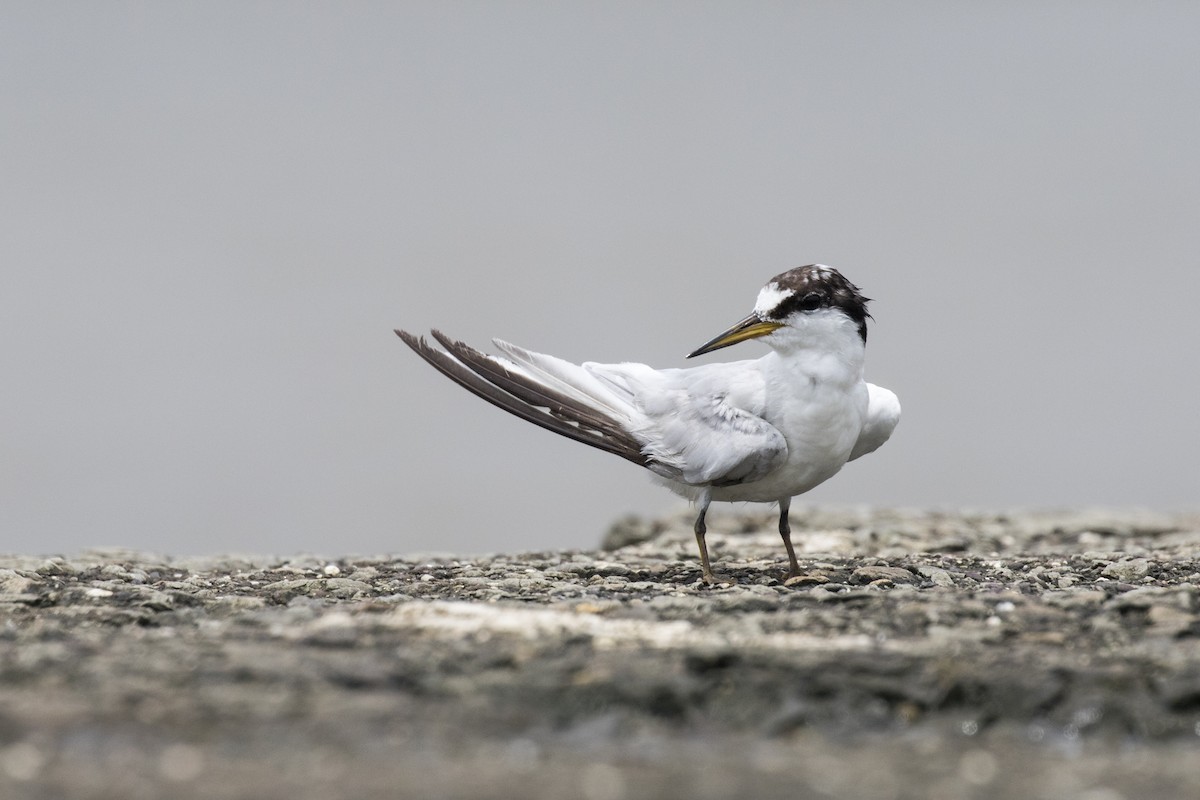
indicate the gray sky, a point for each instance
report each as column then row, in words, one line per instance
column 212, row 215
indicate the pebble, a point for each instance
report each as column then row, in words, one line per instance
column 805, row 580
column 936, row 575
column 893, row 574
column 1127, row 570
column 345, row 587
column 15, row 584
column 57, row 566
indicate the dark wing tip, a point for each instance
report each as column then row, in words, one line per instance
column 417, row 343
column 492, row 381
column 450, row 344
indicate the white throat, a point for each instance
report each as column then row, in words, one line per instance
column 824, row 343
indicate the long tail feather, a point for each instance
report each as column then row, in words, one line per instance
column 572, row 380
column 521, row 395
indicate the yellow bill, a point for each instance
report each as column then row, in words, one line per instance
column 750, row 328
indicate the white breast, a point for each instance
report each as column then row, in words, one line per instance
column 819, row 406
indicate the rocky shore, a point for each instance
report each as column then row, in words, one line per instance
column 921, row 655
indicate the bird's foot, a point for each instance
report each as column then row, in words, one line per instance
column 795, row 576
column 712, row 579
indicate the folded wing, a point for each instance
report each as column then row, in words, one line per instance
column 692, row 426
column 883, row 414
column 680, row 424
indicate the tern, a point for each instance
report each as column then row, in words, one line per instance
column 762, row 430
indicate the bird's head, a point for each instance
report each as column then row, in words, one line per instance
column 805, row 306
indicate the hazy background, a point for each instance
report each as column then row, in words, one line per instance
column 212, row 216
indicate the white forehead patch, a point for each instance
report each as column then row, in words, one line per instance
column 769, row 298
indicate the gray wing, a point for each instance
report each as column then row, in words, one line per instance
column 883, row 414
column 700, row 426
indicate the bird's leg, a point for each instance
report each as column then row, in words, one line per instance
column 702, row 529
column 785, row 530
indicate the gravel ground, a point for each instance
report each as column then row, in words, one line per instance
column 921, row 655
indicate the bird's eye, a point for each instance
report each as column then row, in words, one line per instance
column 812, row 301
